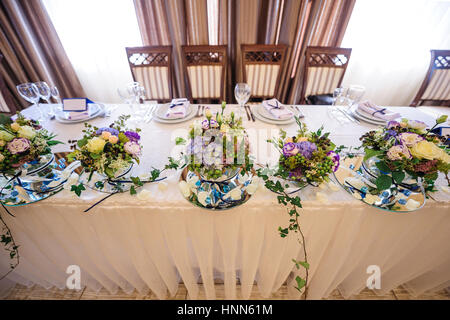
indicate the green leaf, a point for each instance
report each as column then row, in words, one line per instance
column 304, row 264
column 441, row 119
column 137, row 181
column 179, row 140
column 54, row 142
column 383, row 182
column 132, row 190
column 398, row 176
column 383, row 166
column 82, row 142
column 369, row 153
column 95, row 156
column 300, row 283
column 77, row 189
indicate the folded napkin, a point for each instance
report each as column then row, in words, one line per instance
column 177, row 108
column 377, row 111
column 78, row 115
column 276, row 109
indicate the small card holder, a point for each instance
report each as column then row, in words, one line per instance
column 76, row 104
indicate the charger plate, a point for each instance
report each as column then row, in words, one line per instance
column 351, row 178
column 219, row 192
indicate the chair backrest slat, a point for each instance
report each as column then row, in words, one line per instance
column 435, row 87
column 205, row 67
column 262, row 65
column 151, row 66
column 324, row 70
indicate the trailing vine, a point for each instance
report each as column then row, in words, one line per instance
column 7, row 240
column 294, row 204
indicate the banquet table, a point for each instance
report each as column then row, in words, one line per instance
column 153, row 243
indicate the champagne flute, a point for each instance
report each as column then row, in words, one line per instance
column 43, row 90
column 242, row 94
column 29, row 93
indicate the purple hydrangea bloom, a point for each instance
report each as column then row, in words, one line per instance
column 132, row 148
column 306, row 148
column 113, row 131
column 132, row 136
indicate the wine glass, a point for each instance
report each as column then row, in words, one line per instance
column 55, row 95
column 129, row 95
column 43, row 90
column 355, row 94
column 340, row 100
column 28, row 91
column 242, row 94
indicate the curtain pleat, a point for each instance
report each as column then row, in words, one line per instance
column 296, row 23
column 32, row 50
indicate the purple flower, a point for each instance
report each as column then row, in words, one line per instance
column 393, row 124
column 296, row 173
column 306, row 148
column 205, row 124
column 18, row 145
column 132, row 148
column 290, row 149
column 132, row 136
column 335, row 157
column 113, row 131
column 390, row 134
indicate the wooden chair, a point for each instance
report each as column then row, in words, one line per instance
column 7, row 105
column 324, row 70
column 205, row 67
column 435, row 87
column 151, row 66
column 262, row 65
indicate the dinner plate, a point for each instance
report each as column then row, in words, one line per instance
column 161, row 110
column 94, row 111
column 367, row 115
column 260, row 115
column 359, row 117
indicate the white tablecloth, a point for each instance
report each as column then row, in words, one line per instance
column 153, row 245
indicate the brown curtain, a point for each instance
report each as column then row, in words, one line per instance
column 296, row 23
column 317, row 23
column 32, row 50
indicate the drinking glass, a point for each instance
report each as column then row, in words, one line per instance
column 28, row 91
column 129, row 95
column 340, row 103
column 44, row 92
column 242, row 94
column 55, row 95
column 355, row 94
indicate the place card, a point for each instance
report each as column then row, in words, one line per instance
column 76, row 104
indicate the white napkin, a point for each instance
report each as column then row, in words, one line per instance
column 379, row 112
column 276, row 109
column 177, row 108
column 78, row 115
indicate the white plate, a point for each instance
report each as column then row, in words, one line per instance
column 367, row 115
column 357, row 116
column 159, row 114
column 259, row 116
column 94, row 111
column 266, row 114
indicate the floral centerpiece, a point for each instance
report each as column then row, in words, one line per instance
column 110, row 151
column 218, row 172
column 218, row 146
column 306, row 158
column 22, row 141
column 407, row 148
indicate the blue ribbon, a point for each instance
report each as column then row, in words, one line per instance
column 382, row 111
column 274, row 107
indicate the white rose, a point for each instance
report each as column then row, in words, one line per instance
column 412, row 204
column 184, row 188
column 371, row 199
column 144, row 195
column 252, row 187
column 26, row 132
column 162, row 186
column 201, row 197
column 235, row 194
